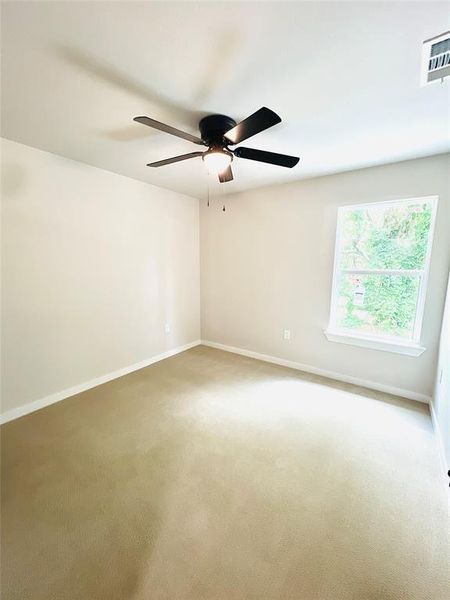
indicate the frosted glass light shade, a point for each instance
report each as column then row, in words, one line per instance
column 217, row 161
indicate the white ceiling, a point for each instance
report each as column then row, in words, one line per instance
column 344, row 77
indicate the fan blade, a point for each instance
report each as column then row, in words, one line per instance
column 259, row 121
column 168, row 129
column 227, row 175
column 174, row 159
column 282, row 160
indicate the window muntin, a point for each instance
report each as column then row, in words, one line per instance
column 381, row 267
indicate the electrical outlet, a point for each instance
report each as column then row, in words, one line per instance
column 286, row 334
column 167, row 328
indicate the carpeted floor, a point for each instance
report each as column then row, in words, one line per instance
column 217, row 477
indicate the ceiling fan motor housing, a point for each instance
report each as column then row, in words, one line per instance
column 213, row 129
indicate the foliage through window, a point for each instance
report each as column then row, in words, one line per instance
column 381, row 267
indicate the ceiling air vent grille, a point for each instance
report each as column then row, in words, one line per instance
column 436, row 58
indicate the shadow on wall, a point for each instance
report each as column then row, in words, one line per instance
column 13, row 178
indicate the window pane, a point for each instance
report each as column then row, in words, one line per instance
column 378, row 304
column 385, row 237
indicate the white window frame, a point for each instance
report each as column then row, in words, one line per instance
column 411, row 347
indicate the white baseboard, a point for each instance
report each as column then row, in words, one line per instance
column 15, row 413
column 324, row 373
column 440, row 444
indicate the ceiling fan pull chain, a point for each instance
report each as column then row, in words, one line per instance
column 207, row 187
column 223, row 208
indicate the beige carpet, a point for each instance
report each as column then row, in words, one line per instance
column 213, row 476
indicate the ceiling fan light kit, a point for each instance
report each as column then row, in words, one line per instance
column 218, row 132
column 217, row 160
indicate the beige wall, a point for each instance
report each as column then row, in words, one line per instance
column 441, row 396
column 94, row 265
column 266, row 265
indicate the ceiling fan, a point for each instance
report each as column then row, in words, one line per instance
column 218, row 132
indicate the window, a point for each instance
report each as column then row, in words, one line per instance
column 381, row 266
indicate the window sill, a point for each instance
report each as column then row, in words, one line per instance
column 408, row 348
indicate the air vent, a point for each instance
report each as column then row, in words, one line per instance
column 436, row 58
